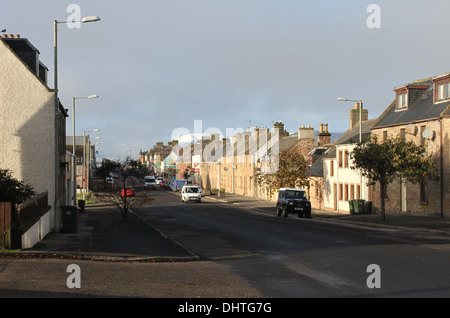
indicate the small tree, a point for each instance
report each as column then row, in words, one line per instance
column 292, row 172
column 383, row 162
column 13, row 190
column 125, row 202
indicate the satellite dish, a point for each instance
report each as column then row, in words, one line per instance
column 412, row 129
column 428, row 134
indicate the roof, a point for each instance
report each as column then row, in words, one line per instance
column 316, row 169
column 352, row 135
column 20, row 44
column 422, row 109
column 284, row 189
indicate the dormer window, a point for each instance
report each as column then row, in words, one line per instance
column 442, row 88
column 402, row 99
column 408, row 95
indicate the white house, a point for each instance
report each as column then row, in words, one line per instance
column 341, row 182
column 27, row 117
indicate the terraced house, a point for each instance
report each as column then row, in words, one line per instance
column 420, row 112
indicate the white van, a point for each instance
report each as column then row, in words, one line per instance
column 191, row 193
column 150, row 182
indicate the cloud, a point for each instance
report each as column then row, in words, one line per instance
column 159, row 65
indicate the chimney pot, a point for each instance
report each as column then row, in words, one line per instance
column 17, row 36
column 321, row 128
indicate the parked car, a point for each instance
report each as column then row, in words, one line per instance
column 293, row 201
column 168, row 185
column 159, row 180
column 191, row 193
column 129, row 191
column 162, row 184
column 150, row 182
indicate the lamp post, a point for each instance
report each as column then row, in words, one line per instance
column 84, row 159
column 360, row 103
column 74, row 172
column 56, row 123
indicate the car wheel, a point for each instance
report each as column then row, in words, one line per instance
column 285, row 212
column 279, row 211
column 199, row 201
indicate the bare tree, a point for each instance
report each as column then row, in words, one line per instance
column 121, row 199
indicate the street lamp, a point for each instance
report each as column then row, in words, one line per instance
column 57, row 127
column 74, row 174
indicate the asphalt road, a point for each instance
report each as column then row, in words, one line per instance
column 249, row 253
column 298, row 257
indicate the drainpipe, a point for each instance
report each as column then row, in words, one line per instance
column 442, row 170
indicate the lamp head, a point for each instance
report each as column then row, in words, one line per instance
column 90, row 19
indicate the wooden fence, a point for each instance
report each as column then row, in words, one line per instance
column 5, row 225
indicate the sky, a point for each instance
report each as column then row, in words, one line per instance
column 160, row 66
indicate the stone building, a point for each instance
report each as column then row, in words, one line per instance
column 233, row 160
column 421, row 113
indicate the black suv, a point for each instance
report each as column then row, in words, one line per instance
column 293, row 201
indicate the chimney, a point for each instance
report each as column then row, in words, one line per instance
column 324, row 137
column 354, row 115
column 280, row 126
column 306, row 132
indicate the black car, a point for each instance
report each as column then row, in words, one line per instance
column 293, row 201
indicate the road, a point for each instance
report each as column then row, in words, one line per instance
column 296, row 257
column 247, row 253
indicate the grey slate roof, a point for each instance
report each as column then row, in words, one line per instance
column 352, row 135
column 422, row 109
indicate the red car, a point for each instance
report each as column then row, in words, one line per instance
column 130, row 191
column 162, row 184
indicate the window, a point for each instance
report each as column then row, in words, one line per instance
column 331, row 168
column 341, row 191
column 443, row 91
column 358, row 192
column 423, row 192
column 422, row 139
column 346, row 159
column 352, row 191
column 442, row 88
column 384, row 135
column 402, row 100
column 340, row 159
column 402, row 134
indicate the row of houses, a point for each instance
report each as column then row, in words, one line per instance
column 420, row 112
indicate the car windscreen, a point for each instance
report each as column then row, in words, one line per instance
column 292, row 194
column 191, row 190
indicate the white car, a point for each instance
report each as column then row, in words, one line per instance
column 158, row 180
column 191, row 193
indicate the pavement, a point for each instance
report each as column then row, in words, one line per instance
column 103, row 235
